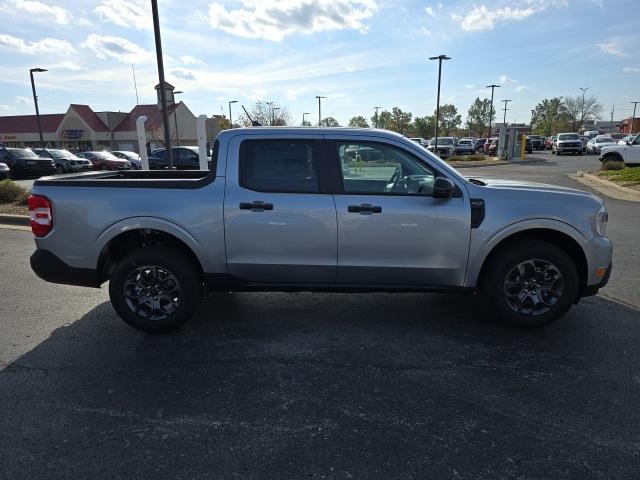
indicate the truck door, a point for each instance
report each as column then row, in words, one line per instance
column 280, row 219
column 391, row 231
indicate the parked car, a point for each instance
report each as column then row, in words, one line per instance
column 133, row 157
column 548, row 143
column 629, row 153
column 488, row 144
column 478, row 146
column 421, row 141
column 584, row 140
column 184, row 158
column 596, row 144
column 4, row 171
column 537, row 142
column 105, row 161
column 64, row 160
column 618, row 136
column 567, row 143
column 23, row 162
column 493, row 147
column 624, row 140
column 465, row 147
column 446, row 147
column 282, row 210
column 591, row 133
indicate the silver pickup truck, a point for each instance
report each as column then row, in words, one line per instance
column 305, row 209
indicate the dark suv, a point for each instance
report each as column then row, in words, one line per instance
column 184, row 158
column 23, row 162
column 537, row 142
column 64, row 160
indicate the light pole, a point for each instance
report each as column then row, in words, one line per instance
column 163, row 94
column 35, row 101
column 377, row 117
column 492, row 87
column 230, row 118
column 304, row 115
column 532, row 114
column 504, row 120
column 632, row 118
column 273, row 115
column 319, row 110
column 175, row 117
column 440, row 58
column 584, row 90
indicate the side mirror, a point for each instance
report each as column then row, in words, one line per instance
column 443, row 188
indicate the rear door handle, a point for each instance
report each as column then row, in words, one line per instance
column 256, row 205
column 364, row 208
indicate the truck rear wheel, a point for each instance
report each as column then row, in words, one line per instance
column 155, row 289
column 531, row 284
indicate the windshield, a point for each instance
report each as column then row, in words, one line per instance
column 62, row 154
column 604, row 140
column 107, row 156
column 22, row 153
column 442, row 141
column 464, row 142
column 569, row 136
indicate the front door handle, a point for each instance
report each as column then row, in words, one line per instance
column 256, row 205
column 364, row 208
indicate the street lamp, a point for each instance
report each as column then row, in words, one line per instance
column 319, row 110
column 533, row 112
column 377, row 121
column 584, row 90
column 492, row 87
column 230, row 119
column 35, row 102
column 175, row 117
column 440, row 58
column 504, row 120
column 303, row 115
column 273, row 115
column 163, row 94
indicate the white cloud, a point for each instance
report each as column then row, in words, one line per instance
column 425, row 31
column 84, row 22
column 631, row 69
column 126, row 13
column 429, row 10
column 504, row 79
column 5, row 108
column 481, row 18
column 521, row 88
column 121, row 49
column 46, row 46
column 189, row 60
column 67, row 65
column 50, row 13
column 611, row 48
column 470, row 85
column 20, row 100
column 275, row 19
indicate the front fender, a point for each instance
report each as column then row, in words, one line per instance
column 481, row 248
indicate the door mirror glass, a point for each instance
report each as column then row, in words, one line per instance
column 443, row 188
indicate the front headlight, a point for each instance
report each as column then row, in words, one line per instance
column 601, row 221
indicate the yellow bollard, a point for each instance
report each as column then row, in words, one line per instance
column 523, row 146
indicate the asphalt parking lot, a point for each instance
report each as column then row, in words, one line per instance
column 274, row 385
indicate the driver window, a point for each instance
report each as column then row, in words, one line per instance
column 636, row 141
column 376, row 168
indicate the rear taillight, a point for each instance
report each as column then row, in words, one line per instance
column 41, row 215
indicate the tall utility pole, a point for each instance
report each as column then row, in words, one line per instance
column 304, row 115
column 440, row 58
column 492, row 87
column 613, row 109
column 175, row 117
column 584, row 90
column 231, row 118
column 35, row 102
column 163, row 94
column 531, row 122
column 504, row 121
column 319, row 110
column 633, row 118
column 377, row 125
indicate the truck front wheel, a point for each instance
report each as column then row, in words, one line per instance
column 155, row 289
column 532, row 283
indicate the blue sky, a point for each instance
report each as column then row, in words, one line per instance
column 357, row 53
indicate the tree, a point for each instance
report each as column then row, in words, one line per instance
column 383, row 120
column 578, row 111
column 268, row 114
column 400, row 121
column 425, row 127
column 329, row 122
column 549, row 116
column 358, row 122
column 450, row 120
column 478, row 116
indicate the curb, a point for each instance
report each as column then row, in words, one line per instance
column 477, row 164
column 626, row 193
column 19, row 220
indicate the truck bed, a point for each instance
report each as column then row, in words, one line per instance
column 131, row 178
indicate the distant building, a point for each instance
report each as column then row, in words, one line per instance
column 81, row 128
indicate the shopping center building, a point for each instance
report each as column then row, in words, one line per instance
column 80, row 128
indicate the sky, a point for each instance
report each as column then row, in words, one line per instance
column 358, row 53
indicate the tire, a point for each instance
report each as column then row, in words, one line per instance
column 175, row 273
column 503, row 277
column 60, row 170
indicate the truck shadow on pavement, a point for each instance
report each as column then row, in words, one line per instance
column 363, row 385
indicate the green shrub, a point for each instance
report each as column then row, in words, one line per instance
column 11, row 192
column 474, row 157
column 612, row 165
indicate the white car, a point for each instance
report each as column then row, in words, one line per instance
column 595, row 144
column 422, row 141
column 629, row 153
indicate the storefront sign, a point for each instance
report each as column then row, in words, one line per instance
column 4, row 138
column 72, row 134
